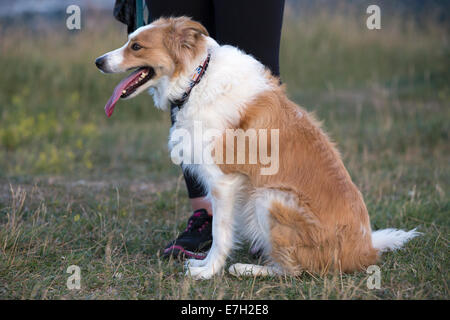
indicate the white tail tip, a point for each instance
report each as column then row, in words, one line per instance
column 392, row 239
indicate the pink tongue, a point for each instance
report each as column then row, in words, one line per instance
column 109, row 107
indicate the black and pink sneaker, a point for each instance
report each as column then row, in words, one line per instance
column 196, row 239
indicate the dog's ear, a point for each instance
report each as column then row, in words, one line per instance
column 184, row 36
column 188, row 31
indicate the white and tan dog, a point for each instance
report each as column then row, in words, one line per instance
column 305, row 215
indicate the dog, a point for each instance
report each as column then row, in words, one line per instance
column 306, row 214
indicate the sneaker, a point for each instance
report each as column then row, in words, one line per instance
column 196, row 239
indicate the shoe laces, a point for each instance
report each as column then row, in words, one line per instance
column 196, row 222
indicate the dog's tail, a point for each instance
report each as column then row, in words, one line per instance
column 392, row 239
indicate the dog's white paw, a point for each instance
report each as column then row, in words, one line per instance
column 194, row 263
column 240, row 269
column 200, row 273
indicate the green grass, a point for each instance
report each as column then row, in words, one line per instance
column 77, row 188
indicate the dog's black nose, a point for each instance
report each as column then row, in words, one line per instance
column 100, row 62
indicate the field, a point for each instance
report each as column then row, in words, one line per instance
column 79, row 189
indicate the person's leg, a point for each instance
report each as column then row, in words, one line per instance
column 255, row 28
column 252, row 26
column 201, row 11
column 197, row 237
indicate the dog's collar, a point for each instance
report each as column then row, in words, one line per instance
column 198, row 75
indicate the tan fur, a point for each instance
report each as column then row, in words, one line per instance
column 167, row 46
column 330, row 229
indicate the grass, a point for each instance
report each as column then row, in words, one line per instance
column 79, row 189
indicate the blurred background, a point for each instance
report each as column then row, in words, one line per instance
column 383, row 96
column 52, row 96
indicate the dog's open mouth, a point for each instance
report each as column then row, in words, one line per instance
column 128, row 86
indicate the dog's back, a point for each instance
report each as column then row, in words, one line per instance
column 326, row 226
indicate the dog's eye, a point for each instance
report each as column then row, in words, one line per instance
column 136, row 46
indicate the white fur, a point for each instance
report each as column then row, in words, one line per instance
column 392, row 239
column 139, row 30
column 114, row 59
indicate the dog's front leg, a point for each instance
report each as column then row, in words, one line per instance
column 223, row 195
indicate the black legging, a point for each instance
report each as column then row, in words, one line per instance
column 251, row 25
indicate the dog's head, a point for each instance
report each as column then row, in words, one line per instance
column 159, row 50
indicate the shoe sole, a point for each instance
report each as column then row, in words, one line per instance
column 181, row 253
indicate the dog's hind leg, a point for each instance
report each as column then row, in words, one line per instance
column 281, row 226
column 256, row 227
